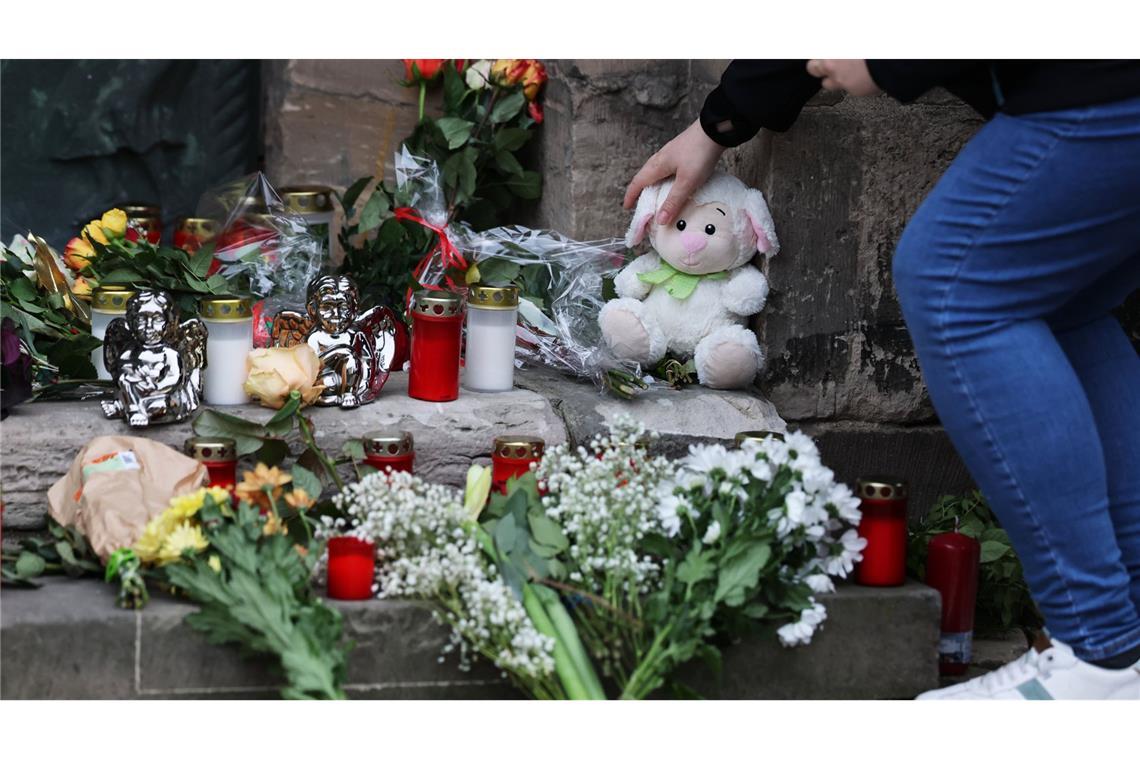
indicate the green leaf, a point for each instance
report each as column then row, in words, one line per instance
column 353, row 193
column 508, row 163
column 30, row 565
column 696, row 567
column 546, row 531
column 353, row 449
column 286, row 412
column 374, row 210
column 65, row 553
column 454, row 89
column 508, row 108
column 741, row 573
column 993, row 550
column 511, row 138
column 455, row 130
column 528, row 186
column 306, row 479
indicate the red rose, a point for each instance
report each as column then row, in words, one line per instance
column 422, row 69
column 535, row 111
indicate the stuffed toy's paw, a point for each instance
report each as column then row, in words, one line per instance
column 730, row 357
column 630, row 332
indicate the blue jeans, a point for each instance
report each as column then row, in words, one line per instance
column 1006, row 276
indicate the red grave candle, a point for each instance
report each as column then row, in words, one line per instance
column 352, row 565
column 144, row 220
column 219, row 455
column 511, row 456
column 884, row 526
column 389, row 449
column 437, row 323
column 952, row 563
column 192, row 233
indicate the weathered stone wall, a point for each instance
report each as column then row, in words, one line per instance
column 841, row 185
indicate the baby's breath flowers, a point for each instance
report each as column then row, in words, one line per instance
column 427, row 548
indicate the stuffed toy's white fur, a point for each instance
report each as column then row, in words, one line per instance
column 693, row 293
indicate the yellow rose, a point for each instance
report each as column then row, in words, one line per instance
column 114, row 223
column 275, row 372
column 78, row 254
column 94, row 231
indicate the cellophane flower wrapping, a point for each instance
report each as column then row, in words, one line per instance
column 262, row 247
column 557, row 328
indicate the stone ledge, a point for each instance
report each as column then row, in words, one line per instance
column 40, row 440
column 68, row 640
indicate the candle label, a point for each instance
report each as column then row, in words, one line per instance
column 956, row 647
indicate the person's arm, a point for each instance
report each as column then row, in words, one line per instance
column 755, row 95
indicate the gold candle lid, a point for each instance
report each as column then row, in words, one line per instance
column 135, row 210
column 757, row 435
column 225, row 308
column 212, row 449
column 880, row 487
column 200, row 227
column 519, row 447
column 307, row 199
column 437, row 303
column 388, row 443
column 111, row 298
column 493, row 296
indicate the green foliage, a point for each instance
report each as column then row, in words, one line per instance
column 65, row 552
column 60, row 342
column 1003, row 596
column 262, row 601
column 144, row 264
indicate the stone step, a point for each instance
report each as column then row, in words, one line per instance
column 68, row 640
column 39, row 441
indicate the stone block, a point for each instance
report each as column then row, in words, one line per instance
column 67, row 640
column 877, row 643
column 41, row 440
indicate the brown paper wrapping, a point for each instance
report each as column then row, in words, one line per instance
column 113, row 508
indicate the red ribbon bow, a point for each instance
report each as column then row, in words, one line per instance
column 448, row 253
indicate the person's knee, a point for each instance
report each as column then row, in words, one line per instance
column 911, row 273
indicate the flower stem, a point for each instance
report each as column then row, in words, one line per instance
column 423, row 94
column 310, row 440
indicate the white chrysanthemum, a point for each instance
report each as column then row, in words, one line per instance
column 819, row 583
column 800, row 632
column 712, row 534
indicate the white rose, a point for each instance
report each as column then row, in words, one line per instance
column 478, row 74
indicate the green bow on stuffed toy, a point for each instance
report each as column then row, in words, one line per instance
column 678, row 284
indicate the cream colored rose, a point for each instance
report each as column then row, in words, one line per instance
column 478, row 74
column 275, row 372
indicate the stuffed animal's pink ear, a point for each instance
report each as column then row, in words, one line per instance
column 756, row 209
column 642, row 215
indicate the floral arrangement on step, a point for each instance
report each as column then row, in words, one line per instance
column 606, row 569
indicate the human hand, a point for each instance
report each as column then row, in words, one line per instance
column 847, row 74
column 690, row 156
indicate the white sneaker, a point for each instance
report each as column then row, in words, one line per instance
column 1053, row 672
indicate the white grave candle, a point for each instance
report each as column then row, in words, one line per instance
column 490, row 359
column 107, row 302
column 229, row 320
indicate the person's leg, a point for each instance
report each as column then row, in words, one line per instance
column 1109, row 370
column 1035, row 210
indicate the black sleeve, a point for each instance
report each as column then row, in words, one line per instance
column 754, row 95
column 906, row 80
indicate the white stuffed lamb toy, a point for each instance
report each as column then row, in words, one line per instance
column 693, row 293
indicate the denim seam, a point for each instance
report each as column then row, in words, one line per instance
column 968, row 391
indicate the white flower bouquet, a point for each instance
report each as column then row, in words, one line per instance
column 607, row 568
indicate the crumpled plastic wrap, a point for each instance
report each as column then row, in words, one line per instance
column 561, row 332
column 263, row 247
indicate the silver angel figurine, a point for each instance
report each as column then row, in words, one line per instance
column 155, row 360
column 355, row 350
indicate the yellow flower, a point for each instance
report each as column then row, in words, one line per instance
column 186, row 506
column 273, row 524
column 114, row 223
column 215, row 563
column 93, row 231
column 299, row 499
column 255, row 484
column 477, row 491
column 185, row 537
column 150, row 542
column 275, row 372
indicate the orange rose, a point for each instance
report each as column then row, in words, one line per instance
column 82, row 286
column 422, row 69
column 78, row 254
column 531, row 74
column 535, row 111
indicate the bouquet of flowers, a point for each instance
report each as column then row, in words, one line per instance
column 607, row 568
